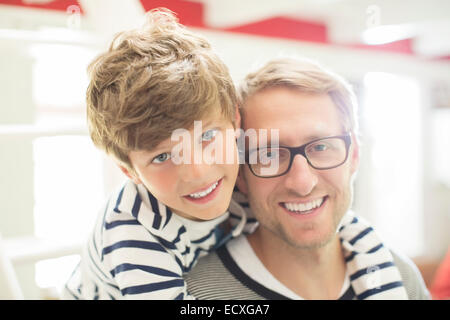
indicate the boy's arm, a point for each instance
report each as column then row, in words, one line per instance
column 143, row 269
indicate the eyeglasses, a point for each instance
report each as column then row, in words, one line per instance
column 321, row 154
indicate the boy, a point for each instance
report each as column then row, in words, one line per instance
column 151, row 82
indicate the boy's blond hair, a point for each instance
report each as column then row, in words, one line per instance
column 306, row 76
column 151, row 81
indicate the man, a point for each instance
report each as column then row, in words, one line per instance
column 308, row 245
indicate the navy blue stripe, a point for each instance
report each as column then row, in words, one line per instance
column 350, row 256
column 114, row 224
column 119, row 198
column 96, row 297
column 104, row 217
column 179, row 297
column 95, row 244
column 354, row 220
column 155, row 209
column 168, row 216
column 153, row 287
column 370, row 269
column 376, row 248
column 180, row 232
column 97, row 268
column 360, row 235
column 136, row 206
column 384, row 287
column 133, row 244
column 202, row 239
column 186, row 251
column 180, row 264
column 166, row 243
column 149, row 269
column 196, row 254
column 71, row 293
column 156, row 221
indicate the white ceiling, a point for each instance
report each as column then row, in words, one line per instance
column 427, row 22
column 348, row 21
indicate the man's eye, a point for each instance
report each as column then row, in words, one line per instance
column 268, row 154
column 161, row 158
column 319, row 147
column 209, row 134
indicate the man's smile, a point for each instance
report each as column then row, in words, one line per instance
column 304, row 208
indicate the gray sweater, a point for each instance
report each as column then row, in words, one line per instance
column 217, row 277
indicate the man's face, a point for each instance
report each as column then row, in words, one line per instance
column 300, row 118
column 197, row 191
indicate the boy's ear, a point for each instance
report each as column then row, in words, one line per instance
column 240, row 181
column 132, row 175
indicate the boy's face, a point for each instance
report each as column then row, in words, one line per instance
column 181, row 175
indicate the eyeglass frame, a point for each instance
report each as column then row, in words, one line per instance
column 294, row 151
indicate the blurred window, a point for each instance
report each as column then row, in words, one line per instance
column 53, row 177
column 392, row 141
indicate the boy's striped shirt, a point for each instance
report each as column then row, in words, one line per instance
column 139, row 249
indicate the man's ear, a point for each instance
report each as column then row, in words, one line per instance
column 129, row 173
column 354, row 155
column 240, row 181
column 237, row 122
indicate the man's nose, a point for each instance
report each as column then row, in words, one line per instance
column 301, row 178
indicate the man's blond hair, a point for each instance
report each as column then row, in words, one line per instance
column 151, row 81
column 306, row 76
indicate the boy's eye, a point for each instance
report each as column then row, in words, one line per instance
column 209, row 134
column 161, row 158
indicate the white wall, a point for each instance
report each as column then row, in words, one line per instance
column 240, row 53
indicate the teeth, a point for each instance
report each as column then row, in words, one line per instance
column 303, row 207
column 204, row 193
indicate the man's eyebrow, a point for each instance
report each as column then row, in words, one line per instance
column 315, row 137
column 307, row 139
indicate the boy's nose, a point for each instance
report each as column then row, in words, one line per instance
column 301, row 178
column 192, row 172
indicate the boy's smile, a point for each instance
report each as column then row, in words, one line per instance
column 205, row 194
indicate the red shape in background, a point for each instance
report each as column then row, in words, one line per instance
column 400, row 46
column 281, row 27
column 189, row 13
column 56, row 5
column 192, row 14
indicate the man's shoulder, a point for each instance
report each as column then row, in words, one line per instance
column 214, row 278
column 411, row 276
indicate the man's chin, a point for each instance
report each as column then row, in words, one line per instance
column 311, row 239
